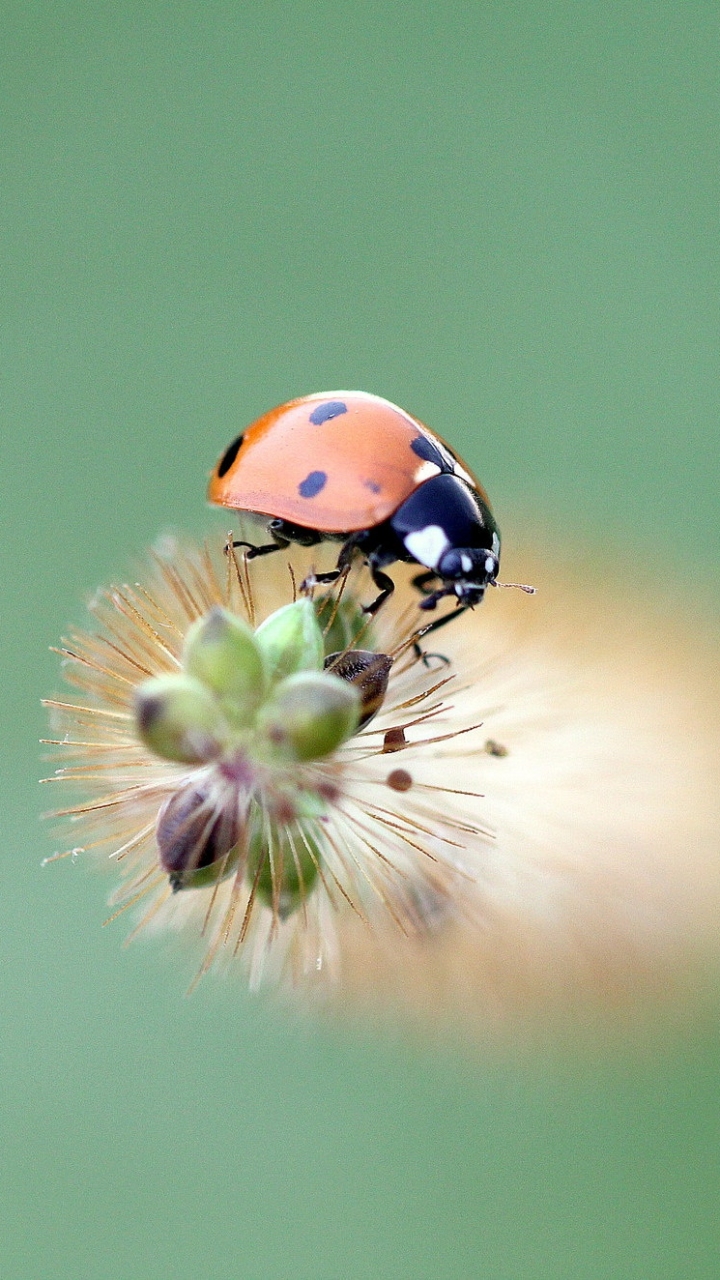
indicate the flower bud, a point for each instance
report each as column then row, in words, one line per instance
column 343, row 622
column 309, row 715
column 291, row 640
column 178, row 719
column 286, row 879
column 368, row 673
column 220, row 650
column 198, row 843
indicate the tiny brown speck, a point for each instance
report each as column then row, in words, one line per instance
column 394, row 740
column 399, row 780
column 494, row 748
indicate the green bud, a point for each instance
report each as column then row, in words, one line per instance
column 343, row 624
column 291, row 640
column 178, row 719
column 287, row 878
column 220, row 650
column 309, row 715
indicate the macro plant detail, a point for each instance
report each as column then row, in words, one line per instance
column 239, row 760
column 250, row 708
column 278, row 780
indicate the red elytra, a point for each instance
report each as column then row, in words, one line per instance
column 337, row 462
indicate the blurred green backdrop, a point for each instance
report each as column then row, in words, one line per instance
column 505, row 217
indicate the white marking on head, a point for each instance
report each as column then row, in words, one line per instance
column 466, row 562
column 490, row 564
column 427, row 545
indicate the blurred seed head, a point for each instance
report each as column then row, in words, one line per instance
column 531, row 827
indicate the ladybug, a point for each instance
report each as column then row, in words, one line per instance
column 354, row 468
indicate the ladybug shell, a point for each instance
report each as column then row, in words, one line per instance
column 336, row 461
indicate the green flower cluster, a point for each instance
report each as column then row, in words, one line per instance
column 246, row 711
column 264, row 691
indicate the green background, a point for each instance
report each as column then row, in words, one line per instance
column 503, row 216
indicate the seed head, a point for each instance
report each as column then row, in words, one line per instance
column 526, row 820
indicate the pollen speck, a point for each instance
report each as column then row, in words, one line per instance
column 399, row 780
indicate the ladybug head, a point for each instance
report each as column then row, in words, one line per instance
column 465, row 573
column 469, row 571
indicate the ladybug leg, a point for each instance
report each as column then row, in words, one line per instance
column 344, row 561
column 254, row 552
column 422, row 582
column 332, row 575
column 427, row 658
column 435, row 625
column 282, row 533
column 279, row 542
column 385, row 585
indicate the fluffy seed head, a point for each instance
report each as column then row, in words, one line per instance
column 528, row 821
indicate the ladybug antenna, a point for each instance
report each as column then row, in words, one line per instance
column 518, row 586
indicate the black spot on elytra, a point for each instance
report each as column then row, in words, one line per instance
column 229, row 457
column 324, row 412
column 312, row 484
column 373, row 486
column 429, row 452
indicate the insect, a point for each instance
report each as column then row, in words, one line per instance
column 354, row 468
